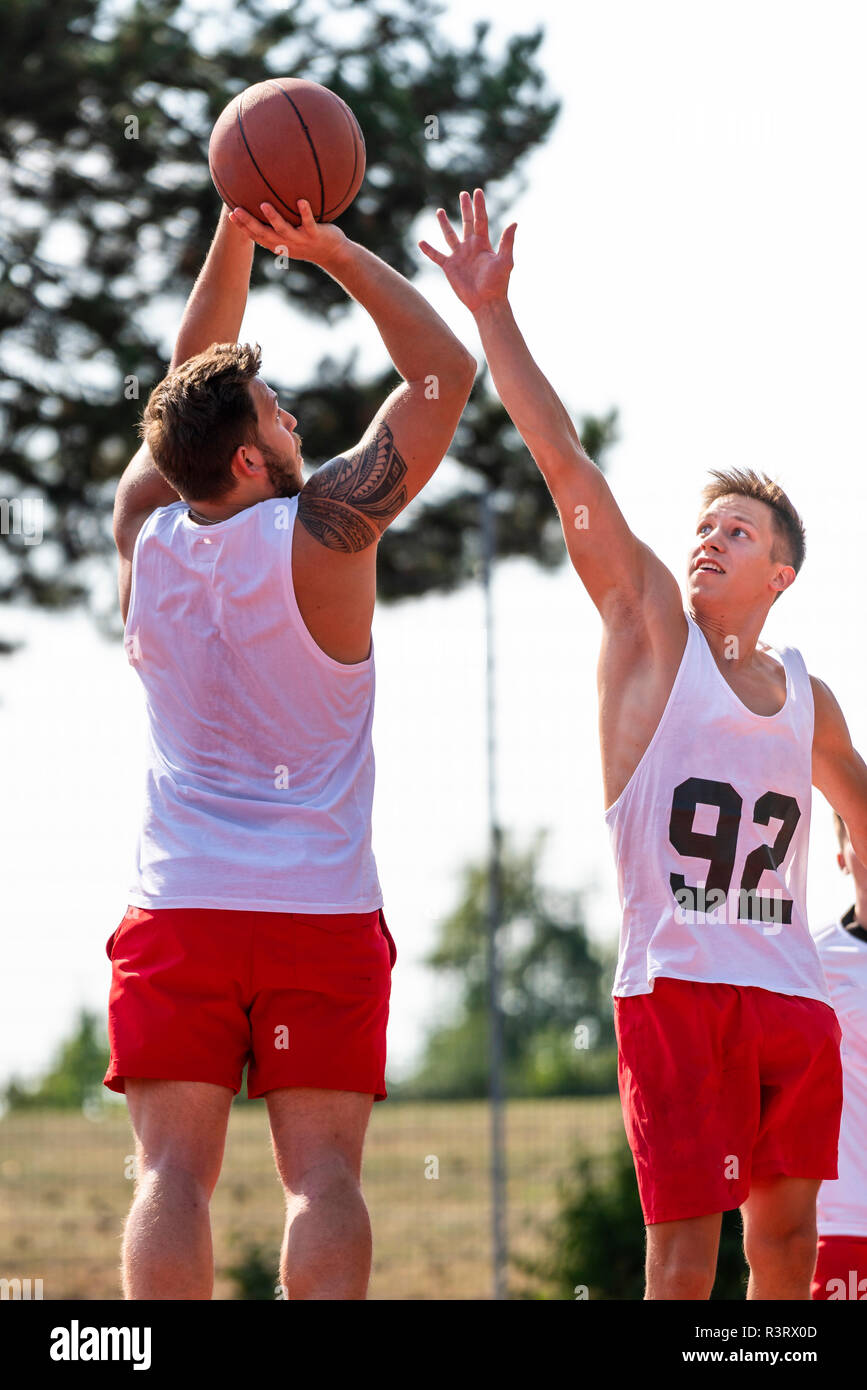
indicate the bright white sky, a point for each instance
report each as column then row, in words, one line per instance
column 691, row 250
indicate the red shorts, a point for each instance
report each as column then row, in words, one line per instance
column 197, row 993
column 841, row 1268
column 721, row 1084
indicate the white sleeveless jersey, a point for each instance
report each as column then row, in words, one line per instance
column 260, row 769
column 841, row 1208
column 710, row 838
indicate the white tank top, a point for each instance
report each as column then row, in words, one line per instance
column 841, row 1208
column 260, row 769
column 710, row 838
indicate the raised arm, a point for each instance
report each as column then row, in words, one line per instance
column 349, row 502
column 621, row 574
column 213, row 314
column 218, row 300
column 346, row 505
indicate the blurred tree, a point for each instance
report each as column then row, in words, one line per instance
column 108, row 210
column 558, row 1020
column 75, row 1076
column 256, row 1270
column 597, row 1240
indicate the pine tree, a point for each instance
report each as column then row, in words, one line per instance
column 108, row 210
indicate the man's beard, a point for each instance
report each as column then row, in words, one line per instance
column 281, row 469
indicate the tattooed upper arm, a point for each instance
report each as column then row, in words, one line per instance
column 349, row 502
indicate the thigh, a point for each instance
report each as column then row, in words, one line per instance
column 802, row 1087
column 180, row 1123
column 176, row 1006
column 310, row 1127
column 321, row 992
column 688, row 1079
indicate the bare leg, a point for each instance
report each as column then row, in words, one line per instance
column 780, row 1237
column 318, row 1137
column 681, row 1257
column 180, row 1129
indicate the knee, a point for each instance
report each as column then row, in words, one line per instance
column 680, row 1278
column 168, row 1179
column 793, row 1249
column 330, row 1180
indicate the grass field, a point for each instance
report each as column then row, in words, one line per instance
column 65, row 1188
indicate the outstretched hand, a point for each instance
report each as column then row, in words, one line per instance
column 312, row 241
column 476, row 273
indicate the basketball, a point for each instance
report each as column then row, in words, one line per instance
column 286, row 139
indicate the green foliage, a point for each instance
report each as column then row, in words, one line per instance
column 255, row 1271
column 597, row 1242
column 552, row 983
column 109, row 209
column 75, row 1076
column 436, row 547
column 553, row 1066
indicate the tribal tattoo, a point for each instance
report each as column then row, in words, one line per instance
column 348, row 503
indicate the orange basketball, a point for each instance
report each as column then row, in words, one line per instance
column 286, row 139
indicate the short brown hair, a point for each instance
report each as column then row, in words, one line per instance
column 789, row 528
column 199, row 415
column 842, row 832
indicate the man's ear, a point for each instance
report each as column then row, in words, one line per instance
column 244, row 465
column 781, row 581
column 841, row 862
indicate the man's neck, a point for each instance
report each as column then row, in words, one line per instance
column 733, row 640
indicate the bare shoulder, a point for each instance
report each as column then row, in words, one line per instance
column 350, row 501
column 829, row 724
column 643, row 641
column 822, row 695
column 642, row 647
column 647, row 615
column 839, row 770
column 343, row 510
column 141, row 489
column 127, row 527
column 127, row 523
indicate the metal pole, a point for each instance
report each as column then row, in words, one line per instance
column 495, row 1015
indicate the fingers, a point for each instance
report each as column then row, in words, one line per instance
column 507, row 241
column 308, row 221
column 447, row 229
column 433, row 255
column 279, row 231
column 474, row 222
column 467, row 227
column 242, row 218
column 277, row 222
column 480, row 213
column 261, row 232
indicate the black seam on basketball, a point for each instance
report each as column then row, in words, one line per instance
column 312, row 148
column 340, row 201
column 353, row 122
column 223, row 194
column 294, row 211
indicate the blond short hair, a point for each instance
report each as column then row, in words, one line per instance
column 791, row 540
